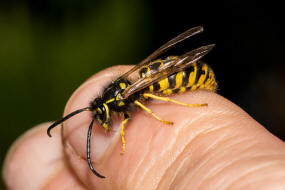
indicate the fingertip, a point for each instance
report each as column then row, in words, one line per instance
column 144, row 133
column 156, row 154
column 105, row 147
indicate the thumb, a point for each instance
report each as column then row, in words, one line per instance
column 214, row 147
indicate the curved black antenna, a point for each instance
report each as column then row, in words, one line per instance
column 88, row 151
column 65, row 118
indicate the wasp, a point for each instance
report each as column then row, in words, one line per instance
column 157, row 79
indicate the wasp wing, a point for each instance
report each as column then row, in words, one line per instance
column 164, row 48
column 170, row 67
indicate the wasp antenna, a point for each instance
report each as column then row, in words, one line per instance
column 88, row 151
column 65, row 118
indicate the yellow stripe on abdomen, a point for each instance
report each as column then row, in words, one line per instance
column 164, row 84
column 179, row 79
column 203, row 76
column 151, row 88
column 192, row 76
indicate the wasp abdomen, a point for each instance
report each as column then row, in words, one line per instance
column 197, row 76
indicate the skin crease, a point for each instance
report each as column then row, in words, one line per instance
column 214, row 147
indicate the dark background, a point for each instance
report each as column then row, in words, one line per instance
column 49, row 47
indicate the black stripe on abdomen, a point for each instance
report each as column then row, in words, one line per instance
column 186, row 75
column 172, row 81
column 156, row 87
column 199, row 72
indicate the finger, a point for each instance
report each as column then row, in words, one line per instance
column 215, row 145
column 36, row 162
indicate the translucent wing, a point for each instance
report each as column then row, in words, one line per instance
column 167, row 69
column 165, row 47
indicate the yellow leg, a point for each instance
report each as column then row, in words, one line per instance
column 123, row 135
column 147, row 95
column 150, row 112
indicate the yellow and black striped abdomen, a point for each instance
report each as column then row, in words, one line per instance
column 197, row 76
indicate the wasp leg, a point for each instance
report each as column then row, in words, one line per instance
column 123, row 132
column 150, row 112
column 147, row 95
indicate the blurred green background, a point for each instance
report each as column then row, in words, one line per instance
column 49, row 47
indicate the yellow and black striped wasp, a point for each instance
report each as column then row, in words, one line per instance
column 157, row 79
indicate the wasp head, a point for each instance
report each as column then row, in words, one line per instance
column 101, row 113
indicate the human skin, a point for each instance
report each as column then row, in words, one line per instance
column 214, row 147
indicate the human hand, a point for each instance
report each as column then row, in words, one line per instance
column 214, row 147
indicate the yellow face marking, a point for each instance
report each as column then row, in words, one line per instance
column 121, row 103
column 99, row 110
column 123, row 85
column 192, row 76
column 110, row 100
column 164, row 84
column 107, row 111
column 203, row 77
column 179, row 79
